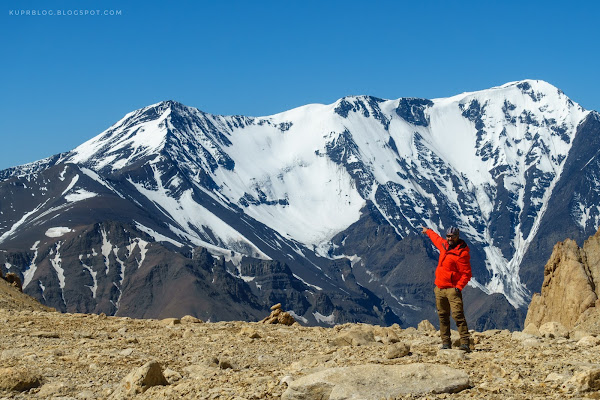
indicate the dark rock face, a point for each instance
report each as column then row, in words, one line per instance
column 413, row 111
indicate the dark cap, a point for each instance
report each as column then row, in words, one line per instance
column 452, row 231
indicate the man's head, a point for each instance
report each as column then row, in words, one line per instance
column 452, row 234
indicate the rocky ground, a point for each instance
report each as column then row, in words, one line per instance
column 49, row 355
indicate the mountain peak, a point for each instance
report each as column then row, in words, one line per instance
column 168, row 104
column 158, row 109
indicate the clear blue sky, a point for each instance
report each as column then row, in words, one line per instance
column 67, row 78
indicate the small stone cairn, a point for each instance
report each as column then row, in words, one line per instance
column 13, row 279
column 278, row 316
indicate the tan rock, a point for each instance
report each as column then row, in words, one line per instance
column 556, row 377
column 451, row 354
column 520, row 336
column 374, row 381
column 19, row 379
column 50, row 389
column 358, row 336
column 397, row 350
column 140, row 380
column 250, row 332
column 568, row 290
column 188, row 319
column 14, row 280
column 577, row 334
column 553, row 330
column 426, row 326
column 588, row 341
column 586, row 381
column 532, row 329
column 170, row 321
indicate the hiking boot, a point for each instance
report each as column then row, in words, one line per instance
column 446, row 346
column 465, row 347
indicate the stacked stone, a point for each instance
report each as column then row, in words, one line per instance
column 278, row 316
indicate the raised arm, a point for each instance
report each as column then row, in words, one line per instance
column 435, row 238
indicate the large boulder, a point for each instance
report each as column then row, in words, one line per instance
column 571, row 287
column 375, row 381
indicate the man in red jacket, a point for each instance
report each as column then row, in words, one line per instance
column 452, row 274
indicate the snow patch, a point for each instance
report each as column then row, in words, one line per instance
column 306, row 283
column 73, row 182
column 56, row 262
column 329, row 319
column 80, row 194
column 298, row 317
column 93, row 274
column 30, row 270
column 57, row 231
column 157, row 236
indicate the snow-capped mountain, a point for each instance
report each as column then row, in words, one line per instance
column 334, row 193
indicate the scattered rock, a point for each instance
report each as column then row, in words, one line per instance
column 578, row 334
column 553, row 330
column 46, row 334
column 171, row 376
column 170, row 321
column 426, row 326
column 521, row 336
column 358, row 336
column 188, row 319
column 51, row 389
column 532, row 342
column 586, row 381
column 140, row 380
column 397, row 350
column 588, row 341
column 225, row 364
column 127, row 352
column 555, row 377
column 532, row 329
column 18, row 379
column 452, row 354
column 250, row 332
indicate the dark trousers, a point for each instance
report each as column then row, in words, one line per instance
column 450, row 301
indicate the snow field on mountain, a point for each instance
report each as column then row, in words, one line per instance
column 147, row 138
column 291, row 165
column 192, row 218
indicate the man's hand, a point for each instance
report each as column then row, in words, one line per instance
column 424, row 229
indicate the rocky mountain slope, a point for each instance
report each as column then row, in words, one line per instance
column 317, row 208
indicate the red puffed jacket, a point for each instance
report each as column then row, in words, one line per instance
column 454, row 265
